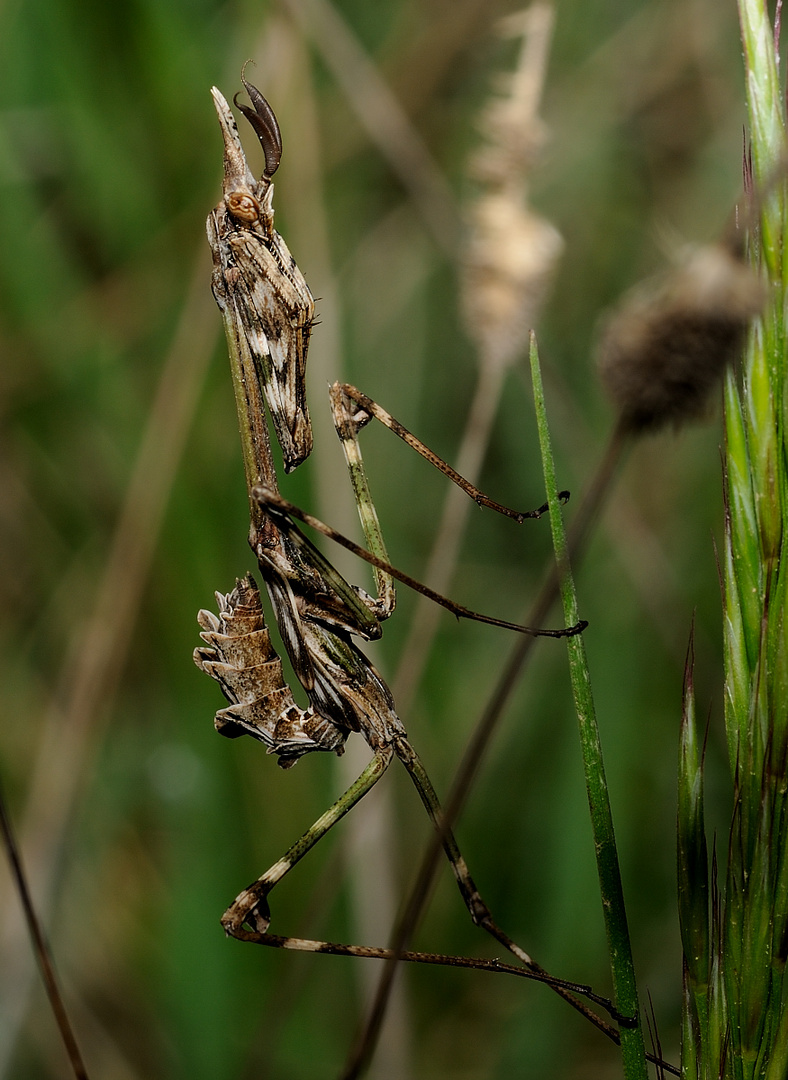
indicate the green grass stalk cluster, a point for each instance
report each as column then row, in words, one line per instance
column 735, row 1021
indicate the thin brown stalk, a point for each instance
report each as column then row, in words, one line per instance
column 40, row 946
column 95, row 661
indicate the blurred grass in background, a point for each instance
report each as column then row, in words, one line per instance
column 123, row 509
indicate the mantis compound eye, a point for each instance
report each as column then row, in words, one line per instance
column 243, row 206
column 265, row 125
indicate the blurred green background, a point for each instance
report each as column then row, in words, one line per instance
column 123, row 509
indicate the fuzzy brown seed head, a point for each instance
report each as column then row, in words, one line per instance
column 665, row 348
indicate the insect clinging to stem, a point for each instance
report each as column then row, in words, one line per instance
column 268, row 313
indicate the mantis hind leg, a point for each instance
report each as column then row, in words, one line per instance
column 476, row 906
column 250, row 908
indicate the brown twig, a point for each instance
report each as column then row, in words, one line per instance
column 40, row 946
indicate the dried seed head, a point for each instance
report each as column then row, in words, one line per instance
column 666, row 347
column 514, row 138
column 508, row 267
column 511, row 252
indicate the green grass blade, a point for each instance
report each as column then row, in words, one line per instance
column 620, row 950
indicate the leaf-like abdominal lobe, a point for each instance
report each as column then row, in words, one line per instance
column 238, row 653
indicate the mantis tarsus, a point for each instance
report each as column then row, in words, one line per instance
column 268, row 313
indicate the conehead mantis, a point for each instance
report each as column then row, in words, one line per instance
column 268, row 314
